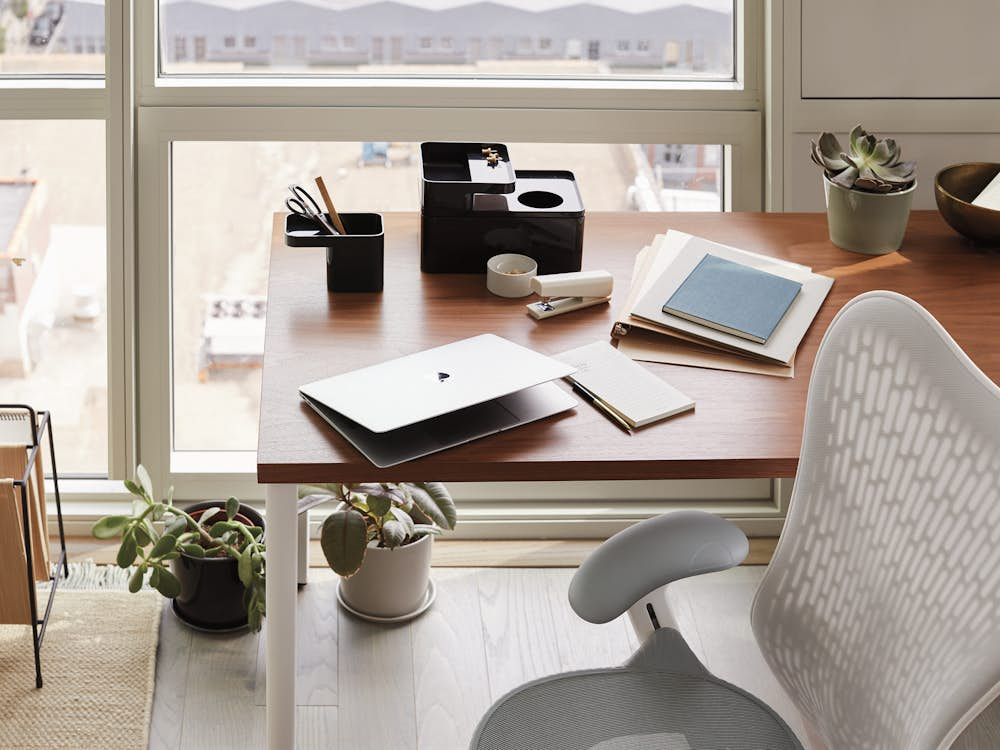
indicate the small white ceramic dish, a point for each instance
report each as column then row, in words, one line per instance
column 510, row 274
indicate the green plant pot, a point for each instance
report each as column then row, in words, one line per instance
column 869, row 223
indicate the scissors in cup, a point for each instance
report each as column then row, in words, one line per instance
column 302, row 204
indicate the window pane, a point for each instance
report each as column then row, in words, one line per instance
column 536, row 38
column 53, row 312
column 51, row 37
column 224, row 195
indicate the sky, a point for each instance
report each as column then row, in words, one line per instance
column 635, row 6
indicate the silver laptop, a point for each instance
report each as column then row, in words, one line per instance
column 438, row 398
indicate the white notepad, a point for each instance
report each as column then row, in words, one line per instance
column 626, row 387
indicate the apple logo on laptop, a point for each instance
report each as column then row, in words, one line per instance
column 443, row 376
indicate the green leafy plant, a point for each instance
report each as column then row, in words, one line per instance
column 872, row 165
column 392, row 515
column 157, row 532
column 3, row 39
column 19, row 8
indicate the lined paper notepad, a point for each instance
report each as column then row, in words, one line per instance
column 626, row 387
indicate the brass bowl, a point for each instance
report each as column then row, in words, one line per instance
column 955, row 188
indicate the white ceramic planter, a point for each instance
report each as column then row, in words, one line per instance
column 869, row 223
column 392, row 583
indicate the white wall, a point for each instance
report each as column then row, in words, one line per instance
column 922, row 73
column 900, row 48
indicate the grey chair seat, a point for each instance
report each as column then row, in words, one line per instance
column 632, row 708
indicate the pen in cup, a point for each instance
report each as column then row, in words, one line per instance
column 334, row 216
column 591, row 398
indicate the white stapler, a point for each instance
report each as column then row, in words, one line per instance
column 565, row 292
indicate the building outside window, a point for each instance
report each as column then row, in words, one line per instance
column 671, row 54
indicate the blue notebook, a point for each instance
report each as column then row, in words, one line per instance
column 733, row 298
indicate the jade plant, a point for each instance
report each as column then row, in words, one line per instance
column 157, row 532
column 384, row 515
column 871, row 165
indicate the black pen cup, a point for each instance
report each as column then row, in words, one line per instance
column 354, row 261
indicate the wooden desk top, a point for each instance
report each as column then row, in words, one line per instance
column 743, row 425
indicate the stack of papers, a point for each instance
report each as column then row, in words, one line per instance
column 650, row 329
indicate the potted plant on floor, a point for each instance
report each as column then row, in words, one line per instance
column 868, row 191
column 379, row 539
column 210, row 558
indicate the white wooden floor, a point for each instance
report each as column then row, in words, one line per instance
column 424, row 685
column 420, row 685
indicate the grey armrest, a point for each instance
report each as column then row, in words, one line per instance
column 640, row 559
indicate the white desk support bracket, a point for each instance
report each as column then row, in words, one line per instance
column 303, row 548
column 302, row 508
column 565, row 292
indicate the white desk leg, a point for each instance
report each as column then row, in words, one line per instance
column 282, row 530
column 303, row 548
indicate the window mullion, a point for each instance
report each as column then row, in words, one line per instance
column 121, row 238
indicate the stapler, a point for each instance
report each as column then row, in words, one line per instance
column 565, row 292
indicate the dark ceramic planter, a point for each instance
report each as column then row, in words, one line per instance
column 211, row 595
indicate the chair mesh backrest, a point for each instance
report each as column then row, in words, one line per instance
column 880, row 612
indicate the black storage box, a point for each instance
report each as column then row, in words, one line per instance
column 354, row 261
column 472, row 210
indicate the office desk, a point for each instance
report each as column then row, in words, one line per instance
column 743, row 426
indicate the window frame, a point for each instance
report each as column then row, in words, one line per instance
column 159, row 127
column 144, row 113
column 741, row 93
column 107, row 99
column 176, row 108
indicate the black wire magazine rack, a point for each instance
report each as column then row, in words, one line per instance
column 41, row 423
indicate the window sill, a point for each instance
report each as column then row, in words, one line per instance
column 52, row 81
column 343, row 81
column 424, row 92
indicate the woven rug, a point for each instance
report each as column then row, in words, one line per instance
column 98, row 663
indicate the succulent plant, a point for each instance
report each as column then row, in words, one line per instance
column 872, row 165
column 390, row 514
column 157, row 531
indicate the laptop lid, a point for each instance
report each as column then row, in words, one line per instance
column 433, row 382
column 455, row 428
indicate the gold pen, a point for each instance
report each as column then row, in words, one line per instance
column 592, row 398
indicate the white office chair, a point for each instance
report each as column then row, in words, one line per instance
column 880, row 612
